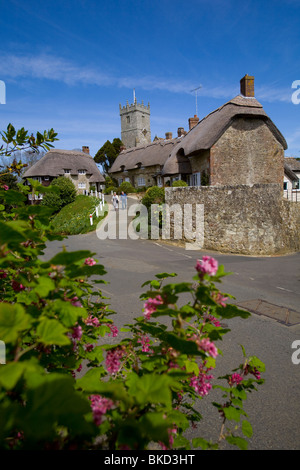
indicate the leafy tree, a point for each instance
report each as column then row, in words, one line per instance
column 178, row 183
column 107, row 154
column 15, row 141
column 66, row 194
column 8, row 179
column 153, row 195
column 127, row 187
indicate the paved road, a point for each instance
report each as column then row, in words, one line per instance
column 274, row 410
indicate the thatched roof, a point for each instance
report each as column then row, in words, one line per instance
column 292, row 163
column 152, row 154
column 207, row 132
column 289, row 173
column 55, row 162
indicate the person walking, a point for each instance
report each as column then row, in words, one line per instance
column 115, row 201
column 124, row 200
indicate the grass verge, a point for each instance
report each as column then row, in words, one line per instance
column 75, row 217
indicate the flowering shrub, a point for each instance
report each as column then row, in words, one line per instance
column 145, row 389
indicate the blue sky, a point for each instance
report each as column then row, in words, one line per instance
column 69, row 64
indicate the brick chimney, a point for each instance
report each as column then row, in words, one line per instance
column 247, row 86
column 193, row 121
column 86, row 149
column 168, row 135
column 180, row 131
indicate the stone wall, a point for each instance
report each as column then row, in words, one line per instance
column 247, row 153
column 252, row 220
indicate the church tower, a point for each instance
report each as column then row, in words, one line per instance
column 135, row 124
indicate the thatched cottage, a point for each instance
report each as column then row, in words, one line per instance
column 142, row 166
column 77, row 165
column 234, row 145
column 291, row 184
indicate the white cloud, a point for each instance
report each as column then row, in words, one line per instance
column 50, row 67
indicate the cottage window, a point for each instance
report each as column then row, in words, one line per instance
column 196, row 181
column 46, row 178
column 81, row 172
column 81, row 185
column 67, row 172
column 295, row 184
column 159, row 181
column 120, row 180
column 285, row 186
column 141, row 181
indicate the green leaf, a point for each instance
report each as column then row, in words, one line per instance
column 247, row 428
column 233, row 413
column 53, row 401
column 65, row 258
column 10, row 374
column 191, row 367
column 150, row 388
column 203, row 443
column 237, row 441
column 13, row 320
column 165, row 275
column 52, row 332
column 231, row 311
column 8, row 234
column 255, row 362
column 44, row 286
column 68, row 313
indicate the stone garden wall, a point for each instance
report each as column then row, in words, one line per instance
column 253, row 220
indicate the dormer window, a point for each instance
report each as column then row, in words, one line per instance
column 67, row 171
column 81, row 172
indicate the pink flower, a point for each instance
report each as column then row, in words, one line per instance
column 201, row 384
column 112, row 360
column 100, row 406
column 171, row 433
column 145, row 342
column 113, row 330
column 75, row 302
column 89, row 347
column 92, row 321
column 235, row 379
column 90, row 262
column 151, row 305
column 207, row 265
column 5, row 187
column 219, row 298
column 77, row 332
column 17, row 287
column 214, row 320
column 208, row 347
column 3, row 274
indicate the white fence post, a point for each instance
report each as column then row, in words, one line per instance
column 91, row 219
